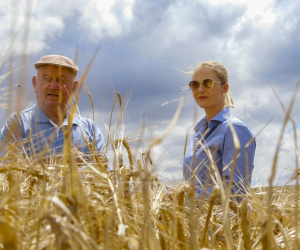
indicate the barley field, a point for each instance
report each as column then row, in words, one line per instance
column 67, row 202
column 63, row 205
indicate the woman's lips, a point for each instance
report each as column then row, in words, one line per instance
column 202, row 97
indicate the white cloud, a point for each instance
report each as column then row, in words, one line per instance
column 34, row 25
column 259, row 11
column 265, row 154
column 251, row 100
column 46, row 21
column 100, row 19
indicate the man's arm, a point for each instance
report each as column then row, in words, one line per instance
column 11, row 133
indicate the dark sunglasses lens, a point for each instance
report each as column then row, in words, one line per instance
column 208, row 83
column 193, row 84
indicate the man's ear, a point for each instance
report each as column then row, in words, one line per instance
column 34, row 82
column 75, row 86
column 226, row 87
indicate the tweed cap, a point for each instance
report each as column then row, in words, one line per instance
column 57, row 60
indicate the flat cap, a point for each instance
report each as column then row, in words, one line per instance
column 57, row 60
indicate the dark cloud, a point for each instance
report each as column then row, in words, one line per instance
column 143, row 57
column 284, row 71
column 273, row 51
column 148, row 15
column 214, row 21
column 129, row 64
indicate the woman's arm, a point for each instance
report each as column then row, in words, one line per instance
column 243, row 165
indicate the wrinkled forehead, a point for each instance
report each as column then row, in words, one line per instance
column 55, row 70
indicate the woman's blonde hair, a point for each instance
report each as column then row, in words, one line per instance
column 222, row 74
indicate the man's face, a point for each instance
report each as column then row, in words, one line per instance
column 53, row 85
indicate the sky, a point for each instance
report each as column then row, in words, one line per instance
column 145, row 48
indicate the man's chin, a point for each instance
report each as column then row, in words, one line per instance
column 54, row 105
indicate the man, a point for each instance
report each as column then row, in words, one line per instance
column 42, row 129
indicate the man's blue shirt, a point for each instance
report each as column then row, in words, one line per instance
column 36, row 131
column 218, row 140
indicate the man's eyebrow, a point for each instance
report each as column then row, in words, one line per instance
column 45, row 74
column 59, row 75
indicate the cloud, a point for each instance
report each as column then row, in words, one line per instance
column 188, row 30
column 145, row 46
column 98, row 20
column 31, row 25
column 46, row 21
column 265, row 154
column 261, row 45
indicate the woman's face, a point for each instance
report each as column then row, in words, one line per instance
column 211, row 100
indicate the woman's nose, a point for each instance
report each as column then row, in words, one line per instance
column 201, row 87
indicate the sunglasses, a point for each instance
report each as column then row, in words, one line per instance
column 207, row 84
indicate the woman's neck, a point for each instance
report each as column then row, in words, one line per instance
column 212, row 113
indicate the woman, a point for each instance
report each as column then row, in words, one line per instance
column 213, row 144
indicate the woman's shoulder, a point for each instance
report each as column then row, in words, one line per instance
column 239, row 126
column 236, row 121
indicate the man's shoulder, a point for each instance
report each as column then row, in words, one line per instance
column 28, row 111
column 84, row 122
column 87, row 125
column 25, row 113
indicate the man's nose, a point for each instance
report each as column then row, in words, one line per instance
column 54, row 84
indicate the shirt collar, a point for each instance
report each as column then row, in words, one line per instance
column 40, row 116
column 201, row 124
column 222, row 116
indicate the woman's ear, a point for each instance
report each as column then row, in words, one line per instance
column 226, row 87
